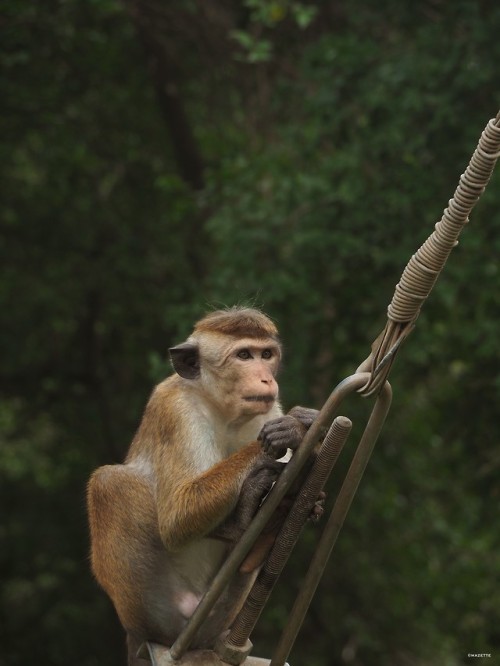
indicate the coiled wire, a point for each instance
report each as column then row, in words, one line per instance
column 425, row 265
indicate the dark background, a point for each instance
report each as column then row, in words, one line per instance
column 160, row 159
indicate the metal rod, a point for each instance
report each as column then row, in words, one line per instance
column 285, row 480
column 298, row 515
column 333, row 526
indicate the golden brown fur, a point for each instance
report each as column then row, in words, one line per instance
column 238, row 322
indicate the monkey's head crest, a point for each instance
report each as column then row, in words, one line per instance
column 238, row 322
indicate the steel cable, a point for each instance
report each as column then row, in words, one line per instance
column 425, row 265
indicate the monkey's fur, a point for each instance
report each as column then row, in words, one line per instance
column 162, row 522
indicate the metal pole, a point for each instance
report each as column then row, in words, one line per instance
column 327, row 456
column 333, row 526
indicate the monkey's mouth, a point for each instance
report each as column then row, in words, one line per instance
column 260, row 398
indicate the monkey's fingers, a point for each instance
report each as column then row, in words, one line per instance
column 305, row 415
column 268, row 463
column 275, row 445
column 274, row 440
column 277, row 452
column 281, row 424
column 283, row 433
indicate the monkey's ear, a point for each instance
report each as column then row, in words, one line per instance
column 186, row 360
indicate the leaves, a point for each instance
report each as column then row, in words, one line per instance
column 333, row 137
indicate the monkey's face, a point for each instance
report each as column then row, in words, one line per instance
column 241, row 375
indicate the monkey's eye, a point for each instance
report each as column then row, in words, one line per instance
column 244, row 354
column 267, row 353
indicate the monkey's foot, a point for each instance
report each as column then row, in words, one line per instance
column 159, row 655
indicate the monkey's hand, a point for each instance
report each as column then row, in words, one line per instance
column 278, row 435
column 305, row 415
column 266, row 539
column 257, row 484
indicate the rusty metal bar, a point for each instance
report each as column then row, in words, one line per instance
column 297, row 517
column 333, row 526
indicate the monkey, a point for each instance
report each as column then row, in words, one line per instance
column 162, row 522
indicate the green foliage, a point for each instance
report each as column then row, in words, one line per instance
column 264, row 15
column 332, row 138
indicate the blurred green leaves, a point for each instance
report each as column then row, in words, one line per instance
column 332, row 137
column 262, row 16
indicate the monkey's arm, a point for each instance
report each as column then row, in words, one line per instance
column 194, row 507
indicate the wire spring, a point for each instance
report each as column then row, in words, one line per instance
column 425, row 265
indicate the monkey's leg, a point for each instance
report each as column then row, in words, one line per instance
column 127, row 553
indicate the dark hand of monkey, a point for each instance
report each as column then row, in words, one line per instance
column 305, row 415
column 278, row 435
column 265, row 541
column 255, row 487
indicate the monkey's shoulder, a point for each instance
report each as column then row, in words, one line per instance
column 174, row 394
column 176, row 422
column 168, row 408
column 111, row 481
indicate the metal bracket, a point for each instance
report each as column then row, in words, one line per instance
column 159, row 655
